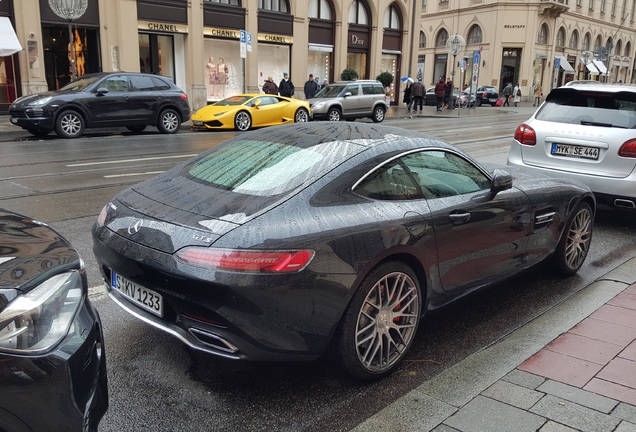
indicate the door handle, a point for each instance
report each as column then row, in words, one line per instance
column 459, row 218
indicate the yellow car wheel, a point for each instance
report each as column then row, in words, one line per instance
column 243, row 121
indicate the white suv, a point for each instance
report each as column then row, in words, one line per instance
column 350, row 100
column 586, row 132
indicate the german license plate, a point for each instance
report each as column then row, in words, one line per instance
column 575, row 151
column 141, row 296
column 197, row 123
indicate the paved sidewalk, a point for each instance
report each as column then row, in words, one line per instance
column 571, row 369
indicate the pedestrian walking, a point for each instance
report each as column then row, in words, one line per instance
column 448, row 102
column 311, row 87
column 286, row 86
column 507, row 92
column 407, row 96
column 538, row 92
column 516, row 92
column 269, row 87
column 440, row 92
column 417, row 91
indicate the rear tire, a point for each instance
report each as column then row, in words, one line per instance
column 575, row 241
column 378, row 114
column 169, row 121
column 301, row 116
column 243, row 121
column 381, row 322
column 69, row 124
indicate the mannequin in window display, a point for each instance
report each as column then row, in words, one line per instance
column 222, row 74
column 210, row 68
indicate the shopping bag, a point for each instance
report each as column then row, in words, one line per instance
column 499, row 102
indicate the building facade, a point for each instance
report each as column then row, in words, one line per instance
column 198, row 42
column 528, row 42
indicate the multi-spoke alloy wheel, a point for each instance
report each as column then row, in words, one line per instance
column 169, row 122
column 575, row 242
column 301, row 116
column 381, row 321
column 243, row 121
column 69, row 125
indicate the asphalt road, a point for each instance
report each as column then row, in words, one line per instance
column 157, row 384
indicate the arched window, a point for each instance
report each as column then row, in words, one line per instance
column 543, row 35
column 560, row 42
column 442, row 37
column 392, row 18
column 619, row 48
column 628, row 49
column 475, row 35
column 586, row 42
column 597, row 43
column 358, row 13
column 320, row 9
column 574, row 40
column 274, row 5
column 422, row 40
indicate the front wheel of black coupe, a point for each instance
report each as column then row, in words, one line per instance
column 575, row 241
column 381, row 321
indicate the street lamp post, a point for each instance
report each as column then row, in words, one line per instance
column 69, row 10
column 454, row 45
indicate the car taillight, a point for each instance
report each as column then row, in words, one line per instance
column 184, row 97
column 628, row 149
column 526, row 135
column 246, row 260
column 484, row 95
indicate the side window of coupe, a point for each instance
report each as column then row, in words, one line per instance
column 389, row 182
column 442, row 174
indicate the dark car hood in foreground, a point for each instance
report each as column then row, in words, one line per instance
column 25, row 100
column 30, row 251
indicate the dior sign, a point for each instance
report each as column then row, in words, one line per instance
column 355, row 40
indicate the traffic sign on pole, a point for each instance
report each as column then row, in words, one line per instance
column 243, row 44
column 249, row 42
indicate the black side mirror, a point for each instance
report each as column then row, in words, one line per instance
column 501, row 181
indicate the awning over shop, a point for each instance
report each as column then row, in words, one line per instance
column 565, row 65
column 591, row 68
column 9, row 43
column 600, row 66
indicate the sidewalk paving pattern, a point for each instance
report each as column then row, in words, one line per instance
column 571, row 369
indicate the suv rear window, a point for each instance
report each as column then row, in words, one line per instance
column 369, row 89
column 590, row 107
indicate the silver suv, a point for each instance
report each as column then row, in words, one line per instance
column 584, row 131
column 350, row 100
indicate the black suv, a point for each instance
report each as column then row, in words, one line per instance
column 111, row 99
column 350, row 100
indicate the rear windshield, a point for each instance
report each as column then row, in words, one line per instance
column 590, row 107
column 266, row 168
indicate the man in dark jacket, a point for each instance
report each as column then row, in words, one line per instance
column 417, row 92
column 311, row 87
column 286, row 86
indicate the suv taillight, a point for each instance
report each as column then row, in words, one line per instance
column 628, row 149
column 526, row 135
